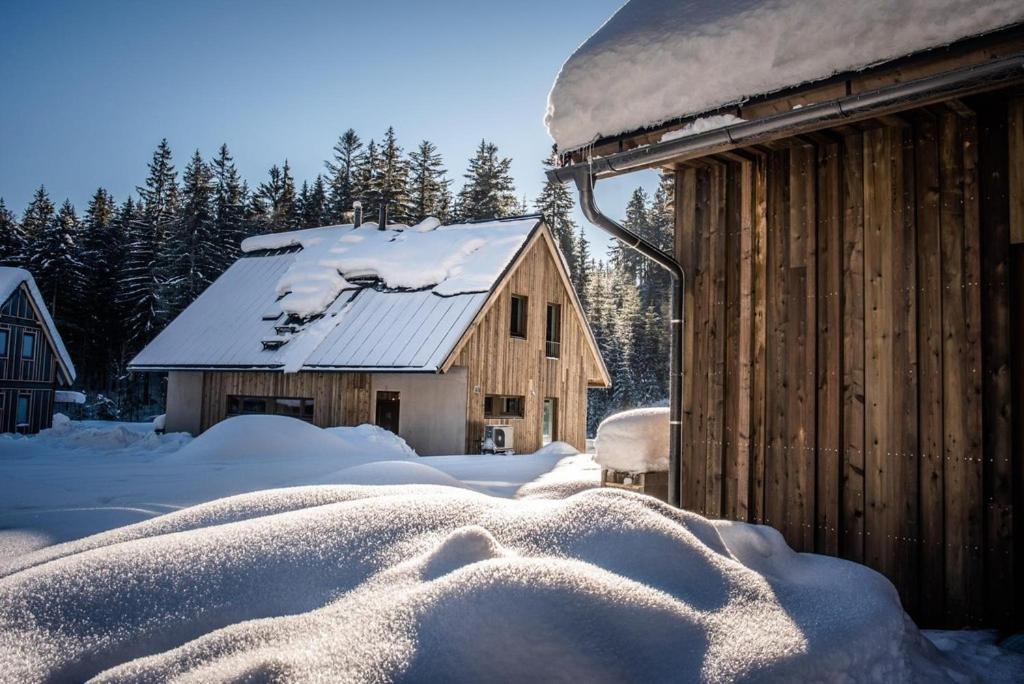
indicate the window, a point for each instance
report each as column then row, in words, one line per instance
column 23, row 404
column 503, row 407
column 28, row 345
column 3, row 344
column 553, row 333
column 295, row 407
column 549, row 425
column 517, row 326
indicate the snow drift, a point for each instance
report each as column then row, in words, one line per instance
column 428, row 583
column 634, row 441
column 657, row 60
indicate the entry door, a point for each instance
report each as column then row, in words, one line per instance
column 550, row 429
column 388, row 405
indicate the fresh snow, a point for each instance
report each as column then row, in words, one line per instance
column 635, row 441
column 658, row 60
column 706, row 123
column 68, row 397
column 367, row 578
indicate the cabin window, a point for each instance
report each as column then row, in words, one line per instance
column 553, row 334
column 294, row 407
column 549, row 421
column 503, row 407
column 28, row 345
column 517, row 325
column 3, row 343
column 22, row 414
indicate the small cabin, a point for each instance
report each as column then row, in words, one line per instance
column 849, row 207
column 33, row 360
column 432, row 332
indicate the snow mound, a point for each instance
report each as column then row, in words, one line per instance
column 375, row 436
column 437, row 584
column 634, row 441
column 97, row 436
column 657, row 60
column 391, row 473
column 557, row 449
column 571, row 475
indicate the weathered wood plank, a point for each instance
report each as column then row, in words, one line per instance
column 758, row 398
column 715, row 416
column 685, row 248
column 1015, row 143
column 733, row 460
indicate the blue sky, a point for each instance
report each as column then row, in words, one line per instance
column 91, row 87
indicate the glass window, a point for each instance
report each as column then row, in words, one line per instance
column 504, row 407
column 549, row 430
column 295, row 407
column 3, row 343
column 28, row 345
column 517, row 325
column 23, row 403
column 553, row 332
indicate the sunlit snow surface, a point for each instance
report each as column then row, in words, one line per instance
column 436, row 583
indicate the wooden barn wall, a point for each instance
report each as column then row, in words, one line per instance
column 500, row 364
column 340, row 398
column 35, row 376
column 854, row 349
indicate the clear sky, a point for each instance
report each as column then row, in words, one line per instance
column 89, row 88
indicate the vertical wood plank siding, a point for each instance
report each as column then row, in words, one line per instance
column 854, row 350
column 34, row 376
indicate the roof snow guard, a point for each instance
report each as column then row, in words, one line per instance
column 656, row 61
column 350, row 299
column 13, row 278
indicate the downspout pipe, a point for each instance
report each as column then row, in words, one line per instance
column 585, row 185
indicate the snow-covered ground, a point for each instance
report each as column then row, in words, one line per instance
column 432, row 574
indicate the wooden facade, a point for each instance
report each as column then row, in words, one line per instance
column 854, row 348
column 25, row 380
column 500, row 364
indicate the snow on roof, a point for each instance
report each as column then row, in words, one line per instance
column 657, row 60
column 10, row 279
column 344, row 298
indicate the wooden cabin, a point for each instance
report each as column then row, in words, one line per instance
column 33, row 360
column 854, row 314
column 431, row 332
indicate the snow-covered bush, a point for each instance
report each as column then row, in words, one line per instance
column 634, row 441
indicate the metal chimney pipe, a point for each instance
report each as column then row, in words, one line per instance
column 357, row 213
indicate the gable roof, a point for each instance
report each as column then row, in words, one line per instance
column 13, row 278
column 658, row 60
column 341, row 298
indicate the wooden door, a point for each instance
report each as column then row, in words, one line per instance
column 388, row 405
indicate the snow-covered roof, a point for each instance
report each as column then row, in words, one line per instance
column 344, row 298
column 657, row 60
column 10, row 279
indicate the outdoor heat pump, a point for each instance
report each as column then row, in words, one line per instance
column 497, row 439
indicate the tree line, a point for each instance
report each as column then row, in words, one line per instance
column 115, row 275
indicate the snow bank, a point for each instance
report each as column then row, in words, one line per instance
column 439, row 584
column 391, row 473
column 96, row 436
column 657, row 60
column 634, row 441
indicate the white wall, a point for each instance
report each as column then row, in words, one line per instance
column 184, row 401
column 432, row 413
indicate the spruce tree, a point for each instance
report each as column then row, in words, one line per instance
column 629, row 262
column 38, row 215
column 556, row 204
column 314, row 204
column 277, row 200
column 365, row 176
column 145, row 270
column 391, row 183
column 102, row 247
column 229, row 208
column 489, row 191
column 429, row 190
column 12, row 238
column 52, row 257
column 193, row 251
column 341, row 183
column 581, row 276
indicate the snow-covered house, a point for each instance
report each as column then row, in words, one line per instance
column 33, row 360
column 430, row 331
column 849, row 199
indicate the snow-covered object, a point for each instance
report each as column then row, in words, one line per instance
column 706, row 123
column 634, row 441
column 657, row 60
column 68, row 397
column 160, row 422
column 316, row 309
column 421, row 583
column 12, row 278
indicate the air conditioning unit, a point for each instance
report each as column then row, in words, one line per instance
column 497, row 439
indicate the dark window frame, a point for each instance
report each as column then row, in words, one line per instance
column 28, row 334
column 306, row 406
column 5, row 346
column 501, row 402
column 518, row 316
column 18, row 422
column 553, row 333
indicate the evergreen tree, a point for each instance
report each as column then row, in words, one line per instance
column 489, row 191
column 193, row 251
column 277, row 200
column 12, row 238
column 229, row 206
column 341, row 181
column 391, row 183
column 556, row 204
column 313, row 204
column 145, row 269
column 429, row 190
column 365, row 176
column 52, row 257
column 584, row 265
column 625, row 259
column 102, row 246
column 39, row 214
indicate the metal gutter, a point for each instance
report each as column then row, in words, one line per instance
column 860, row 105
